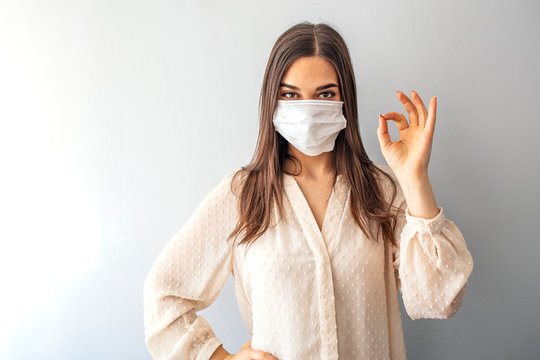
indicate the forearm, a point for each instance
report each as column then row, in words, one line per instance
column 220, row 354
column 419, row 196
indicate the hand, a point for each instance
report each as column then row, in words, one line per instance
column 248, row 353
column 409, row 156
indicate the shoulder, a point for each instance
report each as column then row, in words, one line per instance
column 231, row 183
column 387, row 182
column 386, row 170
column 224, row 194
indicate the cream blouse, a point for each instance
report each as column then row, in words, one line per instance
column 304, row 293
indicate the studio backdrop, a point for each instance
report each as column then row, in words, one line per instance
column 117, row 118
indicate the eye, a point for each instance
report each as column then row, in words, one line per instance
column 287, row 93
column 330, row 94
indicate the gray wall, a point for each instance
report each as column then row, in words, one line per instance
column 118, row 117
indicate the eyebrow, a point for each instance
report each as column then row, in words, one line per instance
column 319, row 88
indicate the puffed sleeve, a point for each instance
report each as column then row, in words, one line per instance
column 431, row 261
column 187, row 276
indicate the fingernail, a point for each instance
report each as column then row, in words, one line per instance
column 381, row 115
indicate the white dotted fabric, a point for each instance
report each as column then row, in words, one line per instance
column 304, row 293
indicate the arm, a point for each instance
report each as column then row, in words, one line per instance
column 431, row 261
column 186, row 277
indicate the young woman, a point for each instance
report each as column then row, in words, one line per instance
column 326, row 237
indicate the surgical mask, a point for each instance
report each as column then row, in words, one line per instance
column 312, row 126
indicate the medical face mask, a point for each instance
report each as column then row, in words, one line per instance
column 311, row 126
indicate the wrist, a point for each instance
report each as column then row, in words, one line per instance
column 221, row 354
column 410, row 178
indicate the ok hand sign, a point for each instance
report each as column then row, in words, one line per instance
column 409, row 156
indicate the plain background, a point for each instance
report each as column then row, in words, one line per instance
column 118, row 117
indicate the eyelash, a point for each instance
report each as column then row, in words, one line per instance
column 325, row 92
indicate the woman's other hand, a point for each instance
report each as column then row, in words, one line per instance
column 248, row 353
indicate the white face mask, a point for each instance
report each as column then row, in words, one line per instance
column 311, row 126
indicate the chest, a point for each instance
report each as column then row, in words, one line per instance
column 306, row 279
column 317, row 195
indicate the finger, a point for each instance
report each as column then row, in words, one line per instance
column 399, row 119
column 430, row 122
column 255, row 355
column 420, row 108
column 246, row 344
column 261, row 355
column 409, row 106
column 382, row 133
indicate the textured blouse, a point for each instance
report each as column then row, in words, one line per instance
column 304, row 293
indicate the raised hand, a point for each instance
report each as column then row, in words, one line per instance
column 409, row 156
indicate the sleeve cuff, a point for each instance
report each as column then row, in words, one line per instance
column 208, row 348
column 429, row 225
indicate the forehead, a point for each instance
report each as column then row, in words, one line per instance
column 311, row 70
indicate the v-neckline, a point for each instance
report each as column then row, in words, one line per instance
column 333, row 210
column 328, row 205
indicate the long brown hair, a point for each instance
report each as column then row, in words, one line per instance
column 262, row 179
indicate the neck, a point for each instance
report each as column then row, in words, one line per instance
column 313, row 167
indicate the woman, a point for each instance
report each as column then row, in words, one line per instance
column 327, row 237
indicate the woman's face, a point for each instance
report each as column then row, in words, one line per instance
column 310, row 77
